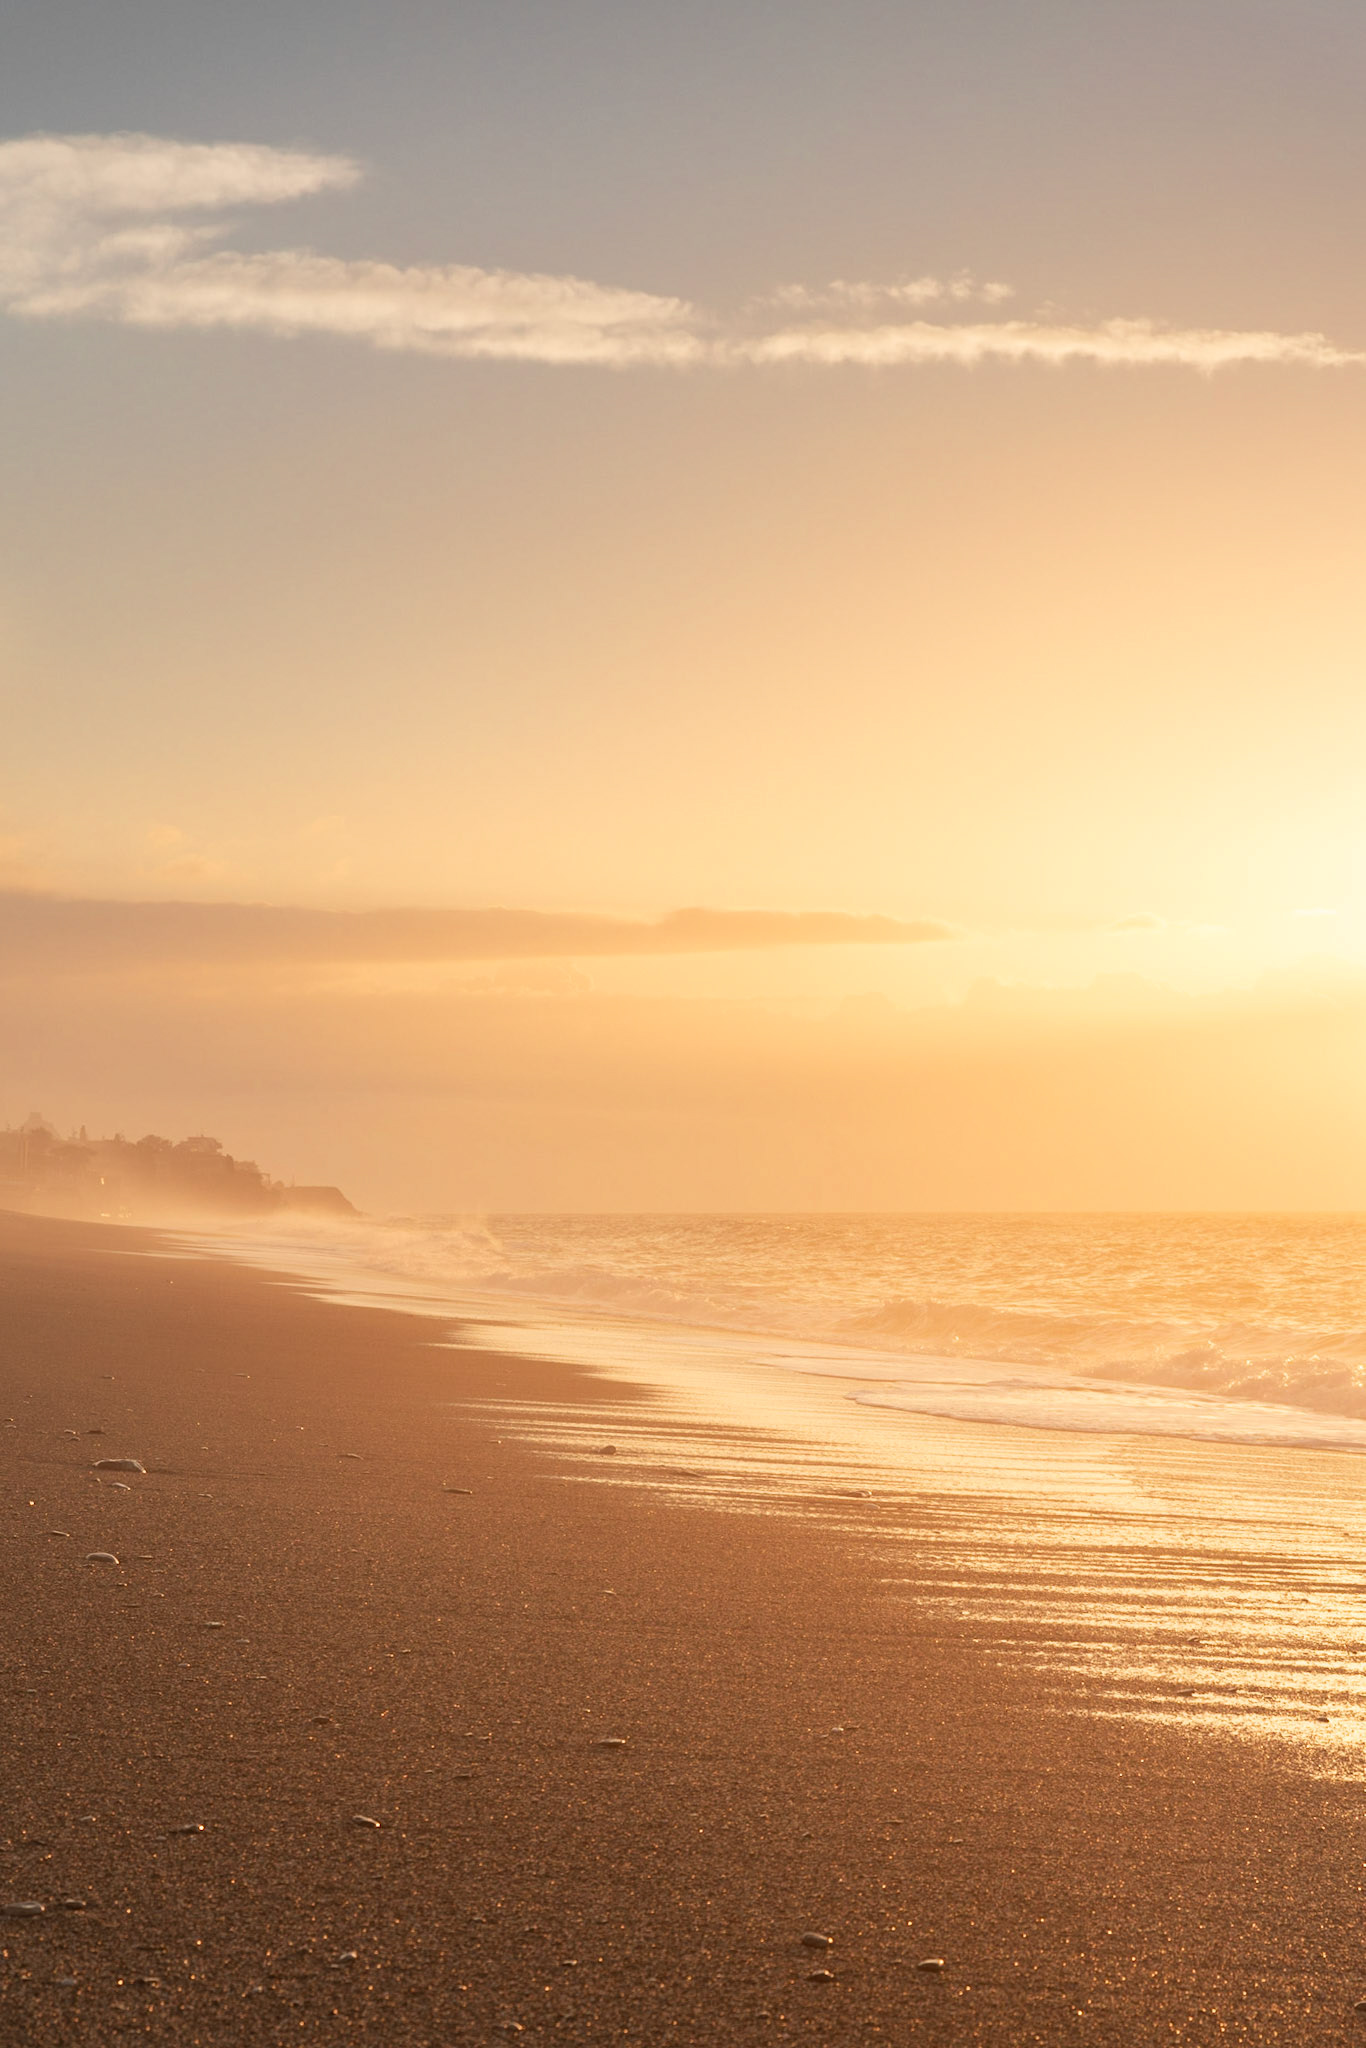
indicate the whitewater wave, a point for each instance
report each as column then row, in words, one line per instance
column 1322, row 1370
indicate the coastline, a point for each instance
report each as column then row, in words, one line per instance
column 1053, row 1323
column 449, row 1663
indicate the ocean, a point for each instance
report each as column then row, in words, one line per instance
column 1232, row 1328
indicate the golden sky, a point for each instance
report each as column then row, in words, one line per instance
column 886, row 461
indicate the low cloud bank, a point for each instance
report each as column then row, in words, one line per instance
column 122, row 228
column 41, row 933
column 446, row 1099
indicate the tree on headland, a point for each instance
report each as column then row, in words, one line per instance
column 120, row 1179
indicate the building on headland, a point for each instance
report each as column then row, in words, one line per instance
column 124, row 1180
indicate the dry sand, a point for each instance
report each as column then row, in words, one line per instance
column 448, row 1665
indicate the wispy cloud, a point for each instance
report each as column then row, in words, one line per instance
column 1131, row 343
column 853, row 296
column 129, row 228
column 95, row 226
column 44, row 932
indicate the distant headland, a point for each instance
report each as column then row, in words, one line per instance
column 133, row 1180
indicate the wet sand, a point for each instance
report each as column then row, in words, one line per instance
column 306, row 1625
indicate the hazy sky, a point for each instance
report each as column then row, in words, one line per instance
column 895, row 459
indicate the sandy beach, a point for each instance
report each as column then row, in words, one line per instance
column 624, row 1749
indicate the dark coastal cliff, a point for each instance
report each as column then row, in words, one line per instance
column 131, row 1180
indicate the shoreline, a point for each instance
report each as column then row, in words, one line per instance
column 1012, row 1388
column 449, row 1663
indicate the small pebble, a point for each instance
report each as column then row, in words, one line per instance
column 100, row 1557
column 66, row 1983
column 22, row 1909
column 364, row 1820
column 933, row 1963
column 189, row 1827
column 348, row 1955
column 1360, row 2005
column 458, row 1489
column 119, row 1486
column 60, row 1532
column 73, row 1905
column 213, row 1624
column 348, row 1454
column 607, row 1450
column 117, row 1464
column 610, row 1742
column 820, row 1976
column 818, row 1941
column 321, row 1721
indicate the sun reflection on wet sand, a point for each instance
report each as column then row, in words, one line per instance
column 1152, row 1578
column 1147, row 1577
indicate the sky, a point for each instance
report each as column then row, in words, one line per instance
column 563, row 565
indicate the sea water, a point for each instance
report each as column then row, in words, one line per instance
column 1240, row 1329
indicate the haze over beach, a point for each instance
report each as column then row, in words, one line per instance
column 701, row 669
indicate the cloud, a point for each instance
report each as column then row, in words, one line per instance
column 1115, row 343
column 863, row 297
column 128, row 228
column 44, row 932
column 93, row 226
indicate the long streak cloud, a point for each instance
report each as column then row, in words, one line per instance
column 131, row 229
column 39, row 933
